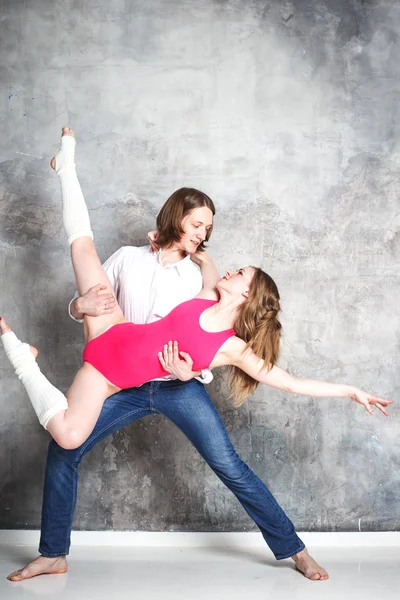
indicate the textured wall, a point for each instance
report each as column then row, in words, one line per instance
column 286, row 113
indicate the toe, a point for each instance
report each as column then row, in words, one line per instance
column 4, row 326
column 16, row 576
column 68, row 131
column 34, row 351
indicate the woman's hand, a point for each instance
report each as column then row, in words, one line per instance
column 152, row 238
column 367, row 400
column 200, row 258
column 172, row 363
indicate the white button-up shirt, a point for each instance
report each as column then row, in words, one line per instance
column 146, row 290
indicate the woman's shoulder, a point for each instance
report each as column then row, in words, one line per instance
column 208, row 294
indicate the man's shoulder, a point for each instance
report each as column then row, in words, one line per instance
column 134, row 251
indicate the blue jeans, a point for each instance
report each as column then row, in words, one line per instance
column 189, row 406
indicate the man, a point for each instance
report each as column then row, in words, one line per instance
column 148, row 286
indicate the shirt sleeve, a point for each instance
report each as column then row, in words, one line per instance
column 112, row 267
column 206, row 376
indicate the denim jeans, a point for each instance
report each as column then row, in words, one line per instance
column 189, row 406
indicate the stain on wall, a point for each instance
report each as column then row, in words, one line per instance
column 286, row 114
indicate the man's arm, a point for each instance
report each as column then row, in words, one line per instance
column 97, row 300
column 208, row 269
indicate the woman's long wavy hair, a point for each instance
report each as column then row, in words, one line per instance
column 258, row 325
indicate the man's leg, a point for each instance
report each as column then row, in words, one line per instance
column 191, row 409
column 61, row 481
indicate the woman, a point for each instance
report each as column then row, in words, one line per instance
column 233, row 321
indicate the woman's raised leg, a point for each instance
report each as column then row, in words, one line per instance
column 86, row 263
column 71, row 418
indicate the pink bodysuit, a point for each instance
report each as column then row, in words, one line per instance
column 127, row 353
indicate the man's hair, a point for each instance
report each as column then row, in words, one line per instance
column 176, row 208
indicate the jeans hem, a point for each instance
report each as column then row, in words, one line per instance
column 302, row 547
column 51, row 555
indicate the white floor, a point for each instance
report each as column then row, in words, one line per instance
column 204, row 573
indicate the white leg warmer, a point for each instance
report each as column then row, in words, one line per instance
column 75, row 213
column 45, row 398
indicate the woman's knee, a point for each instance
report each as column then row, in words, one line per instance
column 83, row 244
column 71, row 439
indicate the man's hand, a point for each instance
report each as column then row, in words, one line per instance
column 172, row 363
column 152, row 237
column 96, row 302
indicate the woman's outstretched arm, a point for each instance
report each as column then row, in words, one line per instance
column 276, row 377
column 235, row 353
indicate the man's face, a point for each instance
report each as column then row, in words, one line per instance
column 195, row 226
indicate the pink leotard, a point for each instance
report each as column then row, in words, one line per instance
column 127, row 353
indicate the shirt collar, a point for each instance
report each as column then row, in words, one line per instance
column 181, row 265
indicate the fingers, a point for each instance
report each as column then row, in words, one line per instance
column 166, row 357
column 106, row 308
column 368, row 408
column 187, row 358
column 380, row 403
column 169, row 357
column 380, row 407
column 375, row 399
column 105, row 295
column 152, row 237
column 168, row 354
column 106, row 301
column 361, row 399
column 162, row 361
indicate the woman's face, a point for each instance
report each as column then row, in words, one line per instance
column 195, row 226
column 237, row 282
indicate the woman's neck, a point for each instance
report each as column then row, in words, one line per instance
column 224, row 312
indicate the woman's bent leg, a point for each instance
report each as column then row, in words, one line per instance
column 86, row 396
column 71, row 418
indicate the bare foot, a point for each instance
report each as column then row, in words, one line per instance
column 5, row 328
column 42, row 565
column 65, row 131
column 307, row 565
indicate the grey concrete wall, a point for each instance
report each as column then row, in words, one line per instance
column 286, row 113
